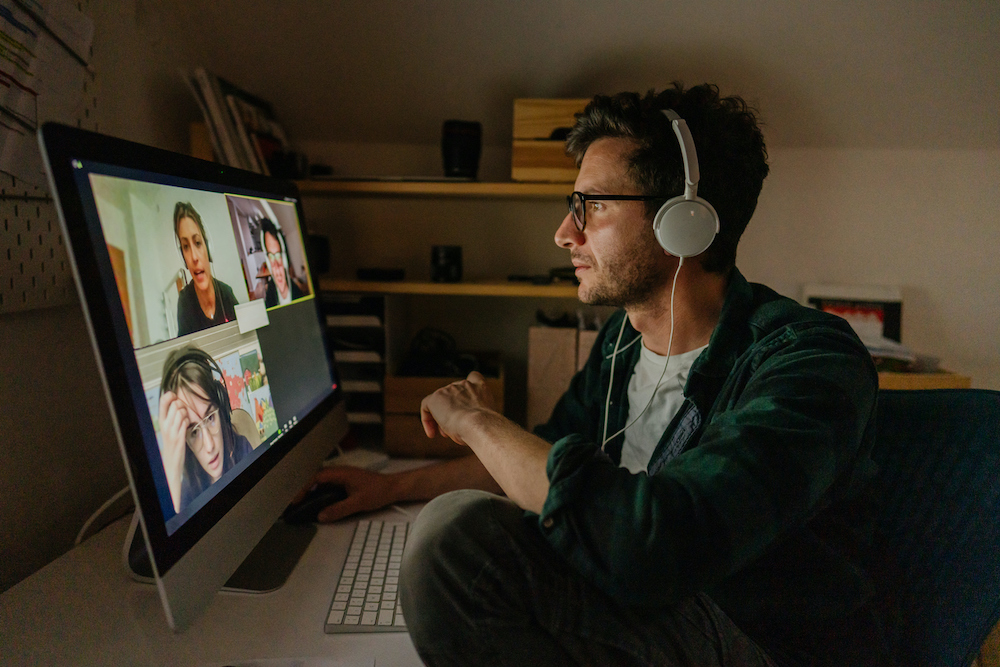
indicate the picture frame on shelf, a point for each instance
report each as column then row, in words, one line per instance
column 873, row 311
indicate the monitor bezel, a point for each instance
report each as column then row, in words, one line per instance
column 61, row 145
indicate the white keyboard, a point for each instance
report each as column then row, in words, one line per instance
column 367, row 595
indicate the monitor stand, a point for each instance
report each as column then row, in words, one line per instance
column 265, row 569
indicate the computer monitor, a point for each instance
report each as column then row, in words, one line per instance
column 205, row 323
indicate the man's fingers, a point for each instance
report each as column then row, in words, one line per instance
column 428, row 422
column 338, row 510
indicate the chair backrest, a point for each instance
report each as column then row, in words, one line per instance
column 939, row 509
column 245, row 426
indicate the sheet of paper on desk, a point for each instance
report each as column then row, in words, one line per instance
column 295, row 662
column 44, row 74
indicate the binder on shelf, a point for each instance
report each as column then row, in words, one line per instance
column 218, row 117
column 357, row 357
column 244, row 137
column 364, row 418
column 353, row 321
column 361, row 386
column 242, row 126
column 213, row 133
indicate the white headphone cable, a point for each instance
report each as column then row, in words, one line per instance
column 670, row 342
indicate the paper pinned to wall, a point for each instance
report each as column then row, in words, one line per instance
column 44, row 51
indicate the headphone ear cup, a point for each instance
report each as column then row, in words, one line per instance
column 686, row 227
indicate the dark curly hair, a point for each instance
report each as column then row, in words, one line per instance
column 731, row 153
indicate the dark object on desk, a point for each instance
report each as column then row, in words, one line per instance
column 461, row 144
column 534, row 280
column 567, row 273
column 320, row 170
column 318, row 252
column 446, row 263
column 561, row 321
column 937, row 502
column 317, row 498
column 434, row 353
column 287, row 164
column 381, row 275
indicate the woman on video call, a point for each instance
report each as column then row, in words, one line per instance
column 204, row 301
column 199, row 441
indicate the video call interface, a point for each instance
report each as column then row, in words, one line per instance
column 218, row 303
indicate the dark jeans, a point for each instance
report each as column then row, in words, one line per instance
column 481, row 586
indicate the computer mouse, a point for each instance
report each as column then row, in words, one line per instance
column 316, row 498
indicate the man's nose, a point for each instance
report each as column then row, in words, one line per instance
column 567, row 235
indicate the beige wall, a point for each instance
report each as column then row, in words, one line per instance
column 883, row 124
column 923, row 220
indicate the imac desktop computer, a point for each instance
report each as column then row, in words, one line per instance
column 204, row 319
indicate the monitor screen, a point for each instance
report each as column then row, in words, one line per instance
column 205, row 322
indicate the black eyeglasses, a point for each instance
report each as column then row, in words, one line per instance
column 578, row 209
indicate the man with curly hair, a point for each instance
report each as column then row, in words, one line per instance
column 698, row 496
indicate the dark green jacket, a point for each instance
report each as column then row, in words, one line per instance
column 755, row 491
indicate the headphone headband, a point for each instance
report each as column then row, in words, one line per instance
column 198, row 357
column 688, row 153
column 685, row 226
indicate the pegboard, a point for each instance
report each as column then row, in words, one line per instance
column 35, row 270
column 34, row 266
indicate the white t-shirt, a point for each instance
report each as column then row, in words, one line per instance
column 642, row 437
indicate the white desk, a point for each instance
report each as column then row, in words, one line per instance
column 82, row 609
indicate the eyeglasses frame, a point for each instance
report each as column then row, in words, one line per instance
column 196, row 431
column 582, row 224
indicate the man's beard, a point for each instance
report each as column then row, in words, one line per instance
column 626, row 280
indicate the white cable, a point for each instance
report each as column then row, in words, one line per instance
column 611, row 382
column 617, row 351
column 95, row 515
column 670, row 342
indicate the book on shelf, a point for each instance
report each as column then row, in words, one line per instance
column 242, row 126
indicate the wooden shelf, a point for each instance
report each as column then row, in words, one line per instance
column 939, row 380
column 484, row 288
column 469, row 189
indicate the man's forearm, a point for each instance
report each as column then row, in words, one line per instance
column 428, row 482
column 515, row 458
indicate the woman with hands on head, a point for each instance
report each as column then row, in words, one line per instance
column 199, row 442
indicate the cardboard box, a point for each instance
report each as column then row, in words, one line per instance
column 404, row 434
column 552, row 359
column 539, row 150
column 585, row 341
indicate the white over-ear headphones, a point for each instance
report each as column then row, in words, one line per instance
column 685, row 226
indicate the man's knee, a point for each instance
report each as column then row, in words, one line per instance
column 446, row 527
column 443, row 555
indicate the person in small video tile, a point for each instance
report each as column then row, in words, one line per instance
column 205, row 301
column 199, row 442
column 281, row 288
